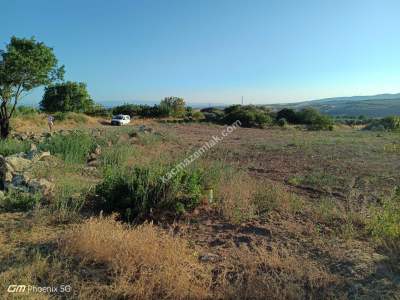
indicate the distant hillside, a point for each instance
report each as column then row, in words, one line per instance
column 372, row 106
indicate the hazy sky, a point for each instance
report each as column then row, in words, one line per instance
column 217, row 50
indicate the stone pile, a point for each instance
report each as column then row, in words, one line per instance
column 15, row 172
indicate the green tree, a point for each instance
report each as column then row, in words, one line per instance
column 24, row 65
column 66, row 96
column 175, row 105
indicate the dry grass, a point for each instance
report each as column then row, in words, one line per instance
column 235, row 196
column 242, row 197
column 146, row 262
column 275, row 274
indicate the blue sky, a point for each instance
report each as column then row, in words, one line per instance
column 215, row 51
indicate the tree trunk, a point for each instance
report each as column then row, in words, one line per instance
column 4, row 128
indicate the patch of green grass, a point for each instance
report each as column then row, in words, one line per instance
column 117, row 155
column 19, row 201
column 72, row 148
column 12, row 146
column 384, row 223
column 316, row 179
column 149, row 138
column 76, row 117
column 69, row 198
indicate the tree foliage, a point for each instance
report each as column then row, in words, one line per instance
column 24, row 65
column 288, row 114
column 66, row 96
column 175, row 106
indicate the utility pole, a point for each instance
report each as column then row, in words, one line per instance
column 242, row 100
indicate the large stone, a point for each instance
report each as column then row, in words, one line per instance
column 18, row 163
column 37, row 155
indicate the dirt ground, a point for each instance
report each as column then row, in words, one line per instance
column 350, row 167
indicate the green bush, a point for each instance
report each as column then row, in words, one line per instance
column 289, row 115
column 198, row 115
column 314, row 119
column 140, row 192
column 249, row 116
column 19, row 201
column 12, row 146
column 145, row 111
column 72, row 147
column 98, row 110
column 390, row 123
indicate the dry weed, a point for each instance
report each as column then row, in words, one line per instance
column 242, row 197
column 146, row 262
column 275, row 274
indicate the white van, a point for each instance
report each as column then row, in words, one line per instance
column 120, row 120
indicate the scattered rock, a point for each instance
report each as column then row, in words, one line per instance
column 93, row 158
column 93, row 163
column 210, row 257
column 97, row 150
column 145, row 129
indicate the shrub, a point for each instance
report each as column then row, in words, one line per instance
column 249, row 116
column 72, row 147
column 288, row 114
column 282, row 122
column 146, row 111
column 144, row 261
column 140, row 192
column 174, row 105
column 197, row 115
column 20, row 201
column 12, row 146
column 389, row 123
column 98, row 110
column 314, row 119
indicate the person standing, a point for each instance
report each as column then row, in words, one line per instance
column 50, row 120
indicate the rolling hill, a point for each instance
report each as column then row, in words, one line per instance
column 372, row 106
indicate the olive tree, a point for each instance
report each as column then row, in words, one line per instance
column 24, row 65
